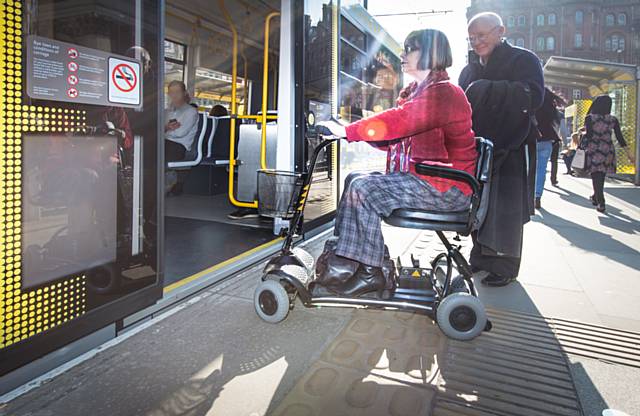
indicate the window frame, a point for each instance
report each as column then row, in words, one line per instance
column 553, row 43
column 579, row 21
column 540, row 20
column 522, row 20
column 550, row 21
column 610, row 20
column 624, row 16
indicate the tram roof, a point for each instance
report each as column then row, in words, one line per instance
column 583, row 73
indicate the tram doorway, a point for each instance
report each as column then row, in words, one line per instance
column 209, row 192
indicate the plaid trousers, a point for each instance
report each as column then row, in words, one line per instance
column 367, row 198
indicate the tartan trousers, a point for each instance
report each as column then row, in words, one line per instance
column 367, row 198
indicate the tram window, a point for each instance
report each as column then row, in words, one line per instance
column 214, row 88
column 175, row 56
column 351, row 34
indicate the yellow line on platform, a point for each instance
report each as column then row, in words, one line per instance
column 218, row 266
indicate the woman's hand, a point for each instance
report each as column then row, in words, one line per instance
column 630, row 155
column 336, row 129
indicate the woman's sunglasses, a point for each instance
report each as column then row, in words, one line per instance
column 410, row 48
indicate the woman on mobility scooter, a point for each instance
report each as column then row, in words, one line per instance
column 431, row 124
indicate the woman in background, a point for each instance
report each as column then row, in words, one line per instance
column 600, row 157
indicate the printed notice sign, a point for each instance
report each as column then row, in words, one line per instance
column 61, row 71
column 124, row 81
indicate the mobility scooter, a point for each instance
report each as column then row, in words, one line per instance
column 451, row 301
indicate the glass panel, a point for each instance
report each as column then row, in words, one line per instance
column 320, row 42
column 366, row 92
column 174, row 50
column 82, row 157
column 352, row 34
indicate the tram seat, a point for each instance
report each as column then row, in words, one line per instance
column 194, row 156
column 218, row 145
column 462, row 222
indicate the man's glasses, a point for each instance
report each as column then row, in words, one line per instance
column 482, row 37
column 410, row 48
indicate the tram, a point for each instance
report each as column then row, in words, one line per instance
column 95, row 235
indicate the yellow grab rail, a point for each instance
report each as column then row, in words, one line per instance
column 263, row 118
column 265, row 88
column 234, row 110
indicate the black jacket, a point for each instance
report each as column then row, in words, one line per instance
column 548, row 118
column 503, row 106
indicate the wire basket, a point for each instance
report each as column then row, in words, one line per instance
column 278, row 193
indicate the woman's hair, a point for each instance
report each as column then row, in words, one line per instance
column 218, row 111
column 435, row 52
column 183, row 87
column 601, row 105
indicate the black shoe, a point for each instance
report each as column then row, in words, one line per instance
column 600, row 208
column 593, row 200
column 243, row 213
column 367, row 279
column 555, row 183
column 494, row 280
column 538, row 205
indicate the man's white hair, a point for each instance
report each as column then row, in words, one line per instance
column 490, row 16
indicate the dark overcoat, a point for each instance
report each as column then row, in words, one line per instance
column 515, row 89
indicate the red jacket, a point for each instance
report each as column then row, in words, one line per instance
column 437, row 118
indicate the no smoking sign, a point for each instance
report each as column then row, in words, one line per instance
column 124, row 82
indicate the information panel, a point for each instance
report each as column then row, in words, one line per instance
column 60, row 71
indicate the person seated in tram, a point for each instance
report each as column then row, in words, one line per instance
column 431, row 124
column 218, row 111
column 182, row 123
column 180, row 129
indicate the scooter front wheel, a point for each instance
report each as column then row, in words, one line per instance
column 461, row 316
column 271, row 301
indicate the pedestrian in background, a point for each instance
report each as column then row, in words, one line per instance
column 600, row 157
column 548, row 118
column 570, row 152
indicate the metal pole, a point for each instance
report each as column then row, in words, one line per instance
column 636, row 179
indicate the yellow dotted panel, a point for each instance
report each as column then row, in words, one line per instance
column 25, row 313
column 625, row 110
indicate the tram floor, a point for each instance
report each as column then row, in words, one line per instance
column 193, row 245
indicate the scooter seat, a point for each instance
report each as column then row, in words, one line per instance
column 457, row 221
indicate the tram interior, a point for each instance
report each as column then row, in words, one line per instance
column 198, row 51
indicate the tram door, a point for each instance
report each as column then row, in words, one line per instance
column 79, row 111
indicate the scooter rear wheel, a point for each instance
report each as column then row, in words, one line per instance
column 271, row 301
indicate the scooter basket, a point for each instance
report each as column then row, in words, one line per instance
column 278, row 193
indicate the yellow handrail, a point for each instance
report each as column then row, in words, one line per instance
column 265, row 89
column 232, row 127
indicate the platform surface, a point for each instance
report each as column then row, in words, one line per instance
column 565, row 340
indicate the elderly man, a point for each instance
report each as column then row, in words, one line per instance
column 505, row 86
